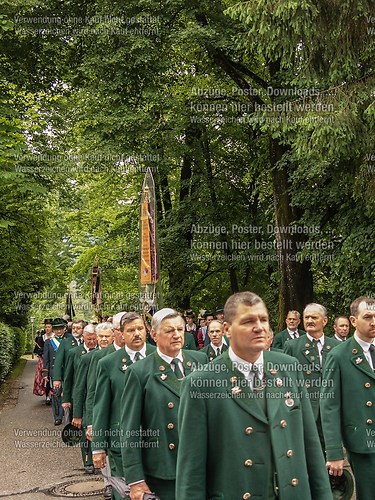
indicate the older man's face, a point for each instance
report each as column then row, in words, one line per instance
column 170, row 336
column 314, row 322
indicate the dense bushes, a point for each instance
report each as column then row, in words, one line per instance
column 12, row 346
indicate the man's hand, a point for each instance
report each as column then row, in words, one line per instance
column 137, row 490
column 99, row 460
column 77, row 422
column 89, row 433
column 66, row 405
column 335, row 467
column 56, row 384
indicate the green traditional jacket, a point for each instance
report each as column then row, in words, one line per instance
column 86, row 372
column 232, row 441
column 189, row 342
column 308, row 357
column 61, row 357
column 70, row 373
column 348, row 400
column 211, row 353
column 107, row 405
column 150, row 404
column 282, row 337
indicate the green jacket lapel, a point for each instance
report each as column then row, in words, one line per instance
column 277, row 392
column 125, row 361
column 309, row 351
column 359, row 360
column 164, row 374
column 240, row 392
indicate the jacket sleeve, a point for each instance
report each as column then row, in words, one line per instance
column 101, row 408
column 192, row 451
column 130, row 424
column 330, row 407
column 80, row 386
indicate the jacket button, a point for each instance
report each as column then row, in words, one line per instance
column 170, row 405
column 170, row 425
column 171, row 446
column 248, row 462
column 367, row 385
column 369, row 403
column 289, row 453
column 308, row 372
column 249, row 430
column 369, row 421
column 294, row 482
column 246, row 496
column 283, row 423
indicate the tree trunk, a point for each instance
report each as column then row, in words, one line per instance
column 296, row 284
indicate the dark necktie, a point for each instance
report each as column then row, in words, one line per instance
column 316, row 345
column 257, row 380
column 137, row 357
column 177, row 371
column 218, row 351
column 372, row 354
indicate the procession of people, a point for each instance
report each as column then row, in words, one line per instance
column 181, row 410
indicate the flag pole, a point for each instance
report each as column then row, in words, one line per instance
column 149, row 264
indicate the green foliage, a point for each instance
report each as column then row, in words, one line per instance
column 7, row 350
column 86, row 108
column 20, row 341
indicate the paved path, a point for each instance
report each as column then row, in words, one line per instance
column 33, row 457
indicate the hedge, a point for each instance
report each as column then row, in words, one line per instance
column 12, row 347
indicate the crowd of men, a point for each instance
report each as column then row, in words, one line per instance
column 220, row 409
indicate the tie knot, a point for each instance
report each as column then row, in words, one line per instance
column 177, row 370
column 137, row 356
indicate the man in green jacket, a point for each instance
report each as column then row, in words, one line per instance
column 291, row 332
column 110, row 383
column 217, row 346
column 150, row 401
column 348, row 399
column 311, row 351
column 246, row 426
column 70, row 379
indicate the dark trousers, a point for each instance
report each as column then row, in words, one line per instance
column 86, row 452
column 57, row 409
column 363, row 467
column 163, row 488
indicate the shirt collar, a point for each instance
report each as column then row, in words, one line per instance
column 216, row 347
column 167, row 358
column 365, row 345
column 132, row 353
column 117, row 347
column 245, row 366
column 321, row 339
column 86, row 348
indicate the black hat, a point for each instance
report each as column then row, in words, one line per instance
column 342, row 486
column 219, row 310
column 48, row 321
column 190, row 313
column 58, row 323
column 208, row 313
column 71, row 434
